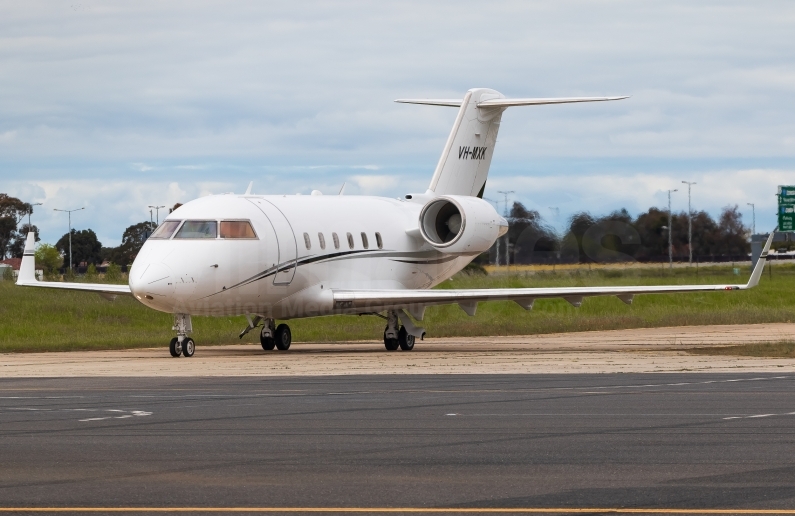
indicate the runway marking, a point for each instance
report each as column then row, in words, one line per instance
column 492, row 510
column 760, row 415
column 134, row 413
column 121, row 414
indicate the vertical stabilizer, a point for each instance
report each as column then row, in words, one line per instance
column 464, row 165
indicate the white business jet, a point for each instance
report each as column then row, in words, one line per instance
column 281, row 257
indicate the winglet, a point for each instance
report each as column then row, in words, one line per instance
column 760, row 264
column 27, row 270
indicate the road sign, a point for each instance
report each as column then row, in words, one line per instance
column 786, row 217
column 786, row 195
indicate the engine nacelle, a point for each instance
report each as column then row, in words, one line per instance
column 459, row 224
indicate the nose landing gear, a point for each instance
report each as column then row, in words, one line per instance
column 182, row 344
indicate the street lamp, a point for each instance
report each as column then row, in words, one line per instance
column 753, row 214
column 30, row 212
column 70, row 231
column 507, row 261
column 157, row 209
column 670, row 240
column 497, row 254
column 689, row 223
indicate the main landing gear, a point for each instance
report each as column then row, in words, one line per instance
column 182, row 344
column 278, row 337
column 396, row 338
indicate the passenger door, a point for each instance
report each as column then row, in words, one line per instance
column 285, row 241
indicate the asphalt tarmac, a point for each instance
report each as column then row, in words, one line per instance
column 508, row 441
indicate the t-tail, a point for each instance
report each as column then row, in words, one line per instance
column 464, row 165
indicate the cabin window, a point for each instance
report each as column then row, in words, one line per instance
column 166, row 229
column 307, row 242
column 365, row 244
column 336, row 240
column 322, row 240
column 378, row 241
column 350, row 240
column 237, row 229
column 198, row 229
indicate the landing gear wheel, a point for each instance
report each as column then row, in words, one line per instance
column 188, row 347
column 268, row 343
column 390, row 344
column 175, row 347
column 405, row 340
column 283, row 337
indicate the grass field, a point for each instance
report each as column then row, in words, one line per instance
column 40, row 319
column 782, row 349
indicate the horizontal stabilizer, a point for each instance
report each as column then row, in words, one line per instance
column 432, row 102
column 509, row 102
column 541, row 102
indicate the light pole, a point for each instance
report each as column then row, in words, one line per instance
column 507, row 261
column 157, row 209
column 70, row 231
column 670, row 232
column 753, row 215
column 30, row 212
column 689, row 222
column 497, row 254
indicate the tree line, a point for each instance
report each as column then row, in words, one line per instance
column 614, row 237
column 618, row 237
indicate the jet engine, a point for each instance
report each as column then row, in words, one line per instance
column 458, row 224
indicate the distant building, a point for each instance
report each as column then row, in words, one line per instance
column 14, row 263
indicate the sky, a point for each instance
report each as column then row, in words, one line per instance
column 120, row 105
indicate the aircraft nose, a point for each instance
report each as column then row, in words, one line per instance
column 153, row 283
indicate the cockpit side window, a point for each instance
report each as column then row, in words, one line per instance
column 198, row 229
column 166, row 229
column 237, row 229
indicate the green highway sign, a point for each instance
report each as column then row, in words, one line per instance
column 786, row 195
column 786, row 217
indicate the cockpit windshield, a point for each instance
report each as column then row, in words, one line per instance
column 237, row 229
column 198, row 229
column 166, row 229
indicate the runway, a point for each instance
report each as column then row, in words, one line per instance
column 448, row 441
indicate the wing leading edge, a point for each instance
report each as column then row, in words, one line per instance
column 377, row 300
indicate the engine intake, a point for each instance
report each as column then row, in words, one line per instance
column 460, row 224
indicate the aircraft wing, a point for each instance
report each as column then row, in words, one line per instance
column 414, row 300
column 27, row 277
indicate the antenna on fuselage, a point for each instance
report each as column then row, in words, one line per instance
column 342, row 189
column 248, row 190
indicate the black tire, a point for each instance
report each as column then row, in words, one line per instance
column 283, row 337
column 188, row 347
column 268, row 343
column 405, row 340
column 175, row 347
column 390, row 344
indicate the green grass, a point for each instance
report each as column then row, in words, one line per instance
column 782, row 349
column 40, row 319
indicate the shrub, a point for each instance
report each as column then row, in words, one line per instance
column 113, row 273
